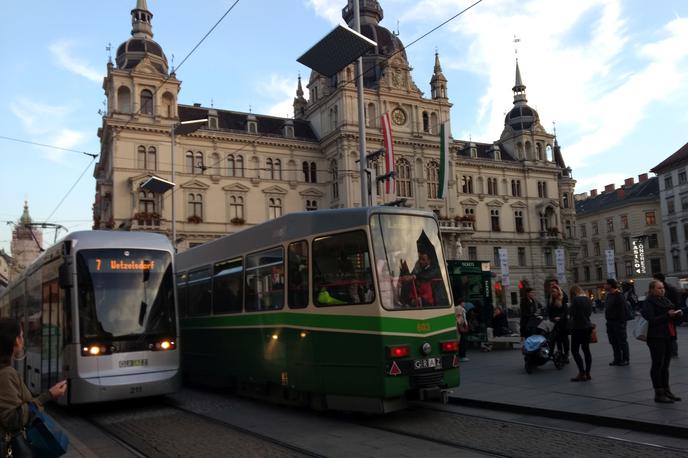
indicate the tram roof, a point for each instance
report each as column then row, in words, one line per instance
column 292, row 226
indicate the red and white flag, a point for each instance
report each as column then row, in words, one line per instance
column 388, row 144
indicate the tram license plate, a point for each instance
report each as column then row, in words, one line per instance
column 428, row 363
column 133, row 363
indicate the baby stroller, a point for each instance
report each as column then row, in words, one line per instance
column 540, row 346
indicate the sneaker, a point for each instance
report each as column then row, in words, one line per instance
column 464, row 359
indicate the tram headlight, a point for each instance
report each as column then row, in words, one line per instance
column 164, row 345
column 94, row 350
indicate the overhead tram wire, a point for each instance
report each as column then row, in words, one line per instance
column 70, row 189
column 93, row 155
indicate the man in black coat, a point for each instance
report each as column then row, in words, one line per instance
column 615, row 312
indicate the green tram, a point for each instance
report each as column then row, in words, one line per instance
column 346, row 309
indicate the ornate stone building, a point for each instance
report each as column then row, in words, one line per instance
column 25, row 245
column 240, row 169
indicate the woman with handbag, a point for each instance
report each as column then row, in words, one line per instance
column 462, row 328
column 14, row 395
column 557, row 313
column 581, row 330
column 662, row 316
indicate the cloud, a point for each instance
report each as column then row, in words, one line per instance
column 45, row 124
column 599, row 181
column 62, row 55
column 279, row 88
column 331, row 10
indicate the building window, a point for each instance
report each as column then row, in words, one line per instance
column 576, row 277
column 518, row 220
column 335, row 179
column 627, row 243
column 274, row 168
column 516, row 188
column 467, row 184
column 146, row 102
column 542, row 188
column 146, row 158
column 311, row 205
column 274, row 207
column 595, row 229
column 236, row 207
column 652, row 241
column 598, row 273
column 583, row 231
column 198, row 163
column 611, row 244
column 188, row 162
column 685, row 231
column 624, row 221
column 432, row 175
column 682, row 177
column 673, row 235
column 549, row 261
column 586, row 273
column 492, row 186
column 684, row 203
column 655, row 265
column 668, row 183
column 596, row 248
column 426, row 122
column 521, row 256
column 628, row 268
column 147, row 202
column 610, row 224
column 494, row 219
column 584, row 250
column 472, row 253
column 403, row 178
column 676, row 261
column 650, row 218
column 195, row 207
column 569, row 229
column 309, row 172
column 495, row 256
column 670, row 205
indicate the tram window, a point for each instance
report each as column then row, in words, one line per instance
column 199, row 292
column 227, row 286
column 297, row 282
column 341, row 270
column 265, row 280
column 182, row 295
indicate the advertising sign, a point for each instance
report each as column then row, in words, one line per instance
column 611, row 266
column 560, row 258
column 504, row 265
column 638, row 256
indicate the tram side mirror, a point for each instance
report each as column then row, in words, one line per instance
column 64, row 279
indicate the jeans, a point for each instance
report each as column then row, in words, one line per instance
column 660, row 353
column 616, row 331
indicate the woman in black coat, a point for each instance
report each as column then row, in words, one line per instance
column 581, row 329
column 557, row 313
column 662, row 316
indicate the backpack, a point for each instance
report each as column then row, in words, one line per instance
column 630, row 313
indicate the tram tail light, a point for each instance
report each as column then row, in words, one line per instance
column 451, row 346
column 163, row 345
column 399, row 351
column 95, row 350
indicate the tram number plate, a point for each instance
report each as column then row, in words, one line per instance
column 133, row 363
column 428, row 363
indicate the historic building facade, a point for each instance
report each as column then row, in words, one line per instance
column 240, row 169
column 625, row 220
column 25, row 246
column 673, row 190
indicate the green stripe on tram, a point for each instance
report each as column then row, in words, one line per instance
column 341, row 322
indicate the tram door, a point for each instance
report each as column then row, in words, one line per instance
column 51, row 334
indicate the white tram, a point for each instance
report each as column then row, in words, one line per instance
column 98, row 309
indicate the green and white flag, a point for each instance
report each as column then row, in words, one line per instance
column 444, row 161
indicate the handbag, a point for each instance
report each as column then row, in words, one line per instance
column 46, row 438
column 15, row 446
column 640, row 328
column 593, row 334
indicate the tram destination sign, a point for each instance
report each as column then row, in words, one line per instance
column 122, row 265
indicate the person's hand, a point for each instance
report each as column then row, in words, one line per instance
column 59, row 389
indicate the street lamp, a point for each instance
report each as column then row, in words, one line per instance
column 328, row 56
column 179, row 128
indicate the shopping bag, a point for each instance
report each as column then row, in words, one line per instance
column 46, row 438
column 593, row 335
column 640, row 328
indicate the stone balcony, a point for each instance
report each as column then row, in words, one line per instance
column 454, row 226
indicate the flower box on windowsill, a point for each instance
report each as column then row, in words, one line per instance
column 237, row 221
column 195, row 219
column 147, row 219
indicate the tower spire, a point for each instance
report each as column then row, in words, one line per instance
column 141, row 25
column 519, row 88
column 438, row 82
column 300, row 103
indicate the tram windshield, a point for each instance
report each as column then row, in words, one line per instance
column 410, row 265
column 124, row 294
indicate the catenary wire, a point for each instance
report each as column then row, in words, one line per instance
column 70, row 189
column 48, row 146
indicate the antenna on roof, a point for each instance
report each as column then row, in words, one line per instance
column 212, row 103
column 172, row 63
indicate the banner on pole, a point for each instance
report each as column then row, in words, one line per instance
column 504, row 265
column 560, row 257
column 611, row 265
column 388, row 144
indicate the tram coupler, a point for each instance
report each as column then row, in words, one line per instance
column 434, row 394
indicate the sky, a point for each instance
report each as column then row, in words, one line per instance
column 610, row 75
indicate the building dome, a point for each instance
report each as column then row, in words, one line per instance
column 521, row 117
column 132, row 51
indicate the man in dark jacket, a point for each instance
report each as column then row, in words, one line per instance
column 615, row 311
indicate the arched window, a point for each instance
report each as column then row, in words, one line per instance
column 467, row 184
column 168, row 105
column 492, row 186
column 189, row 162
column 152, row 158
column 403, row 178
column 335, row 179
column 195, row 205
column 274, row 207
column 372, row 115
column 141, row 157
column 306, row 174
column 314, row 173
column 239, row 166
column 278, row 169
column 270, row 168
column 434, row 126
column 199, row 167
column 426, row 122
column 236, row 207
column 231, row 166
column 565, row 200
column 538, row 149
column 146, row 102
column 146, row 202
column 432, row 174
column 529, row 151
column 124, row 100
column 311, row 205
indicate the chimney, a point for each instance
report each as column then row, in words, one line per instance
column 642, row 177
column 628, row 182
column 609, row 188
column 593, row 193
column 620, row 193
column 197, row 105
